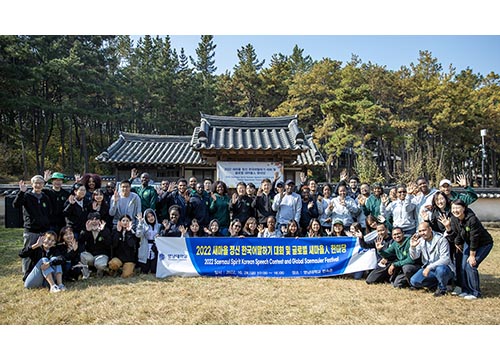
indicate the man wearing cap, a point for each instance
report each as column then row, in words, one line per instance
column 58, row 197
column 287, row 204
column 468, row 197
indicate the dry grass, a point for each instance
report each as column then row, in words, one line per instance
column 234, row 301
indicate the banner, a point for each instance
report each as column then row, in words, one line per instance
column 232, row 172
column 262, row 257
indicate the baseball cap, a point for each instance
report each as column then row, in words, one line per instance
column 444, row 181
column 338, row 221
column 289, row 182
column 279, row 184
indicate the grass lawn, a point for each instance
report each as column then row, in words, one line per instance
column 234, row 301
column 257, row 302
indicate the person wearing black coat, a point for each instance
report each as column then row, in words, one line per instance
column 473, row 240
column 37, row 211
column 76, row 209
column 125, row 248
column 98, row 244
column 309, row 210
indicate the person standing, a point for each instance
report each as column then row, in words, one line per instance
column 58, row 197
column 468, row 197
column 473, row 240
column 37, row 211
column 219, row 206
column 262, row 203
column 146, row 192
column 125, row 202
column 402, row 212
column 288, row 205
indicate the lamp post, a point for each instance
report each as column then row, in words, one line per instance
column 483, row 157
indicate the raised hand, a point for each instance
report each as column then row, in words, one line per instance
column 22, row 186
column 445, row 220
column 379, row 244
column 303, row 177
column 414, row 240
column 134, row 173
column 234, row 198
column 116, row 196
column 343, row 175
column 462, row 180
column 88, row 225
column 78, row 177
column 412, row 188
column 71, row 199
column 385, row 199
column 46, row 175
column 361, row 200
column 425, row 215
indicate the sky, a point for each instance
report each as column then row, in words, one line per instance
column 480, row 53
column 386, row 32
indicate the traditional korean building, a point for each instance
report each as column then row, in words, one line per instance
column 217, row 140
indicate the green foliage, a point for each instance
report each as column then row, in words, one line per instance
column 63, row 100
column 367, row 169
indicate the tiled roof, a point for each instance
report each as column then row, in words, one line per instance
column 151, row 150
column 215, row 134
column 249, row 133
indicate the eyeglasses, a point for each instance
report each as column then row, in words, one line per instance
column 237, row 226
column 402, row 192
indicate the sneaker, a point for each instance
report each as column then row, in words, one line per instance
column 85, row 272
column 439, row 292
column 463, row 294
column 54, row 288
column 100, row 273
column 457, row 290
column 470, row 297
column 412, row 288
column 61, row 287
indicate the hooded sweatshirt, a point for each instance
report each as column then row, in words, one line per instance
column 146, row 233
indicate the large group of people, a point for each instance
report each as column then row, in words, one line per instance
column 424, row 237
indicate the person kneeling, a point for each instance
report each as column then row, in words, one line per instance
column 125, row 246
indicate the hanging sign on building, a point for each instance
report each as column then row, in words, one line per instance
column 232, row 172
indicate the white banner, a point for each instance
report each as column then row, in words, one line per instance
column 232, row 172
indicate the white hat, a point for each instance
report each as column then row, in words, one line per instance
column 444, row 181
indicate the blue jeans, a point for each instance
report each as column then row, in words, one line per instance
column 470, row 275
column 439, row 276
column 36, row 277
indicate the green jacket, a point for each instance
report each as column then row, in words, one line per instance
column 220, row 210
column 400, row 251
column 468, row 197
column 148, row 196
column 372, row 206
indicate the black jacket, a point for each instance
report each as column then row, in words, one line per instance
column 57, row 201
column 101, row 245
column 470, row 230
column 125, row 246
column 76, row 216
column 36, row 213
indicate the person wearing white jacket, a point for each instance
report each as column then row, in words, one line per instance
column 433, row 250
column 147, row 231
column 402, row 211
column 344, row 207
column 288, row 205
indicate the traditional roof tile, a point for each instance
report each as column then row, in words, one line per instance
column 151, row 150
column 249, row 133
